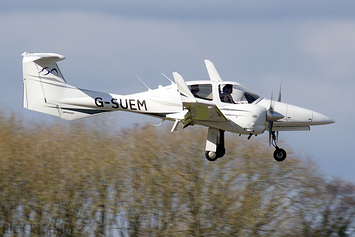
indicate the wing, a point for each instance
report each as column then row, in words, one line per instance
column 212, row 71
column 184, row 90
column 200, row 113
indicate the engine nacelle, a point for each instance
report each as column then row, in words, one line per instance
column 249, row 118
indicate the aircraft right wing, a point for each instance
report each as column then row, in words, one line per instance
column 202, row 112
column 197, row 111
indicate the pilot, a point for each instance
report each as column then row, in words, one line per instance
column 226, row 94
column 194, row 90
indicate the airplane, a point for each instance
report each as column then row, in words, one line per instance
column 216, row 104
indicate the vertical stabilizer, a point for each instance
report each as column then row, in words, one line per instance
column 39, row 70
column 46, row 91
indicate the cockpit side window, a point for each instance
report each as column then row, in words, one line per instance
column 202, row 91
column 235, row 94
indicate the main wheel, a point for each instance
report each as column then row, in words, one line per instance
column 211, row 155
column 279, row 154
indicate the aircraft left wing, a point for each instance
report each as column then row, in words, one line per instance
column 185, row 92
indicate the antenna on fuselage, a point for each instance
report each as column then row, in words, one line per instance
column 167, row 78
column 143, row 83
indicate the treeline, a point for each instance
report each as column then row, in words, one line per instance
column 81, row 179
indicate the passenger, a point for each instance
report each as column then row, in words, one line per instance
column 194, row 90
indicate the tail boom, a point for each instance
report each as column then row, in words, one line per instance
column 46, row 91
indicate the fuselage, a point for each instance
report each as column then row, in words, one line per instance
column 247, row 113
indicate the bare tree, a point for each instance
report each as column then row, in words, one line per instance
column 86, row 179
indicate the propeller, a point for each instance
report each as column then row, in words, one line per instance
column 279, row 100
column 272, row 115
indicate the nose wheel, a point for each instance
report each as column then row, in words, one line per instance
column 213, row 156
column 279, row 153
column 217, row 136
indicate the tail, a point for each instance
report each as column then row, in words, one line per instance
column 46, row 91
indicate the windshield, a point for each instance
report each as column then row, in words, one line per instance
column 236, row 94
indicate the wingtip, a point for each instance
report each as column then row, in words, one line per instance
column 212, row 71
column 208, row 62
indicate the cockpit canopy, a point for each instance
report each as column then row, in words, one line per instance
column 229, row 92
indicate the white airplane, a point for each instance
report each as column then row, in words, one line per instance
column 219, row 105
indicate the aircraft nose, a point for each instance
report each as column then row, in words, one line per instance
column 300, row 115
column 320, row 119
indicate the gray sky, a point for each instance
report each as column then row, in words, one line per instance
column 309, row 46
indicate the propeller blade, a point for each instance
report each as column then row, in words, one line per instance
column 271, row 108
column 272, row 116
column 279, row 100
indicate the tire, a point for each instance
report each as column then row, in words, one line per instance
column 211, row 156
column 280, row 154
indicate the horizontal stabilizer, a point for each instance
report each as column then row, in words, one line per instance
column 27, row 57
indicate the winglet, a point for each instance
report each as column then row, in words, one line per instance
column 212, row 71
column 182, row 87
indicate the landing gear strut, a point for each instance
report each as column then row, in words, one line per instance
column 215, row 144
column 279, row 153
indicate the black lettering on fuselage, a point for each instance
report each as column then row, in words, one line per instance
column 123, row 107
column 114, row 102
column 139, row 103
column 129, row 104
column 99, row 102
column 132, row 104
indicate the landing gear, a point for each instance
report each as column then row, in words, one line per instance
column 279, row 153
column 215, row 144
column 213, row 156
